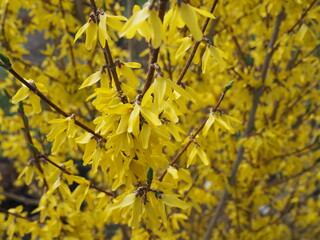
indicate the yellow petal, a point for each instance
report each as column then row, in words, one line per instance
column 79, row 194
column 29, row 175
column 203, row 12
column 145, row 135
column 173, row 171
column 205, row 60
column 56, row 130
column 150, row 117
column 191, row 156
column 58, row 141
column 134, row 20
column 217, row 54
column 133, row 80
column 22, row 93
column 103, row 30
column 83, row 139
column 189, row 17
column 184, row 46
column 92, row 79
column 174, row 201
column 160, row 86
column 203, row 156
column 180, row 90
column 96, row 158
column 208, row 125
column 197, row 56
column 41, row 87
column 136, row 213
column 35, row 102
column 175, row 132
column 71, row 129
column 157, row 29
column 144, row 29
column 122, row 18
column 90, row 147
column 223, row 122
column 126, row 201
column 123, row 124
column 132, row 64
column 120, row 108
column 134, row 121
column 80, row 31
column 91, row 34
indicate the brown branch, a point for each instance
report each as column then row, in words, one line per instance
column 22, row 199
column 17, row 215
column 195, row 47
column 302, row 17
column 193, row 136
column 53, row 105
column 64, row 170
column 29, row 140
column 112, row 67
column 108, row 57
column 154, row 52
column 94, row 6
column 249, row 128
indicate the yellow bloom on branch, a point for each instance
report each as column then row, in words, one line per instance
column 99, row 29
column 147, row 23
column 25, row 92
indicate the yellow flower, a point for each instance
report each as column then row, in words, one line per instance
column 147, row 23
column 186, row 15
column 99, row 28
column 25, row 92
column 62, row 129
column 148, row 204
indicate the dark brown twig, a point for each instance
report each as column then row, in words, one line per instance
column 193, row 136
column 17, row 215
column 19, row 198
column 109, row 59
column 51, row 104
column 195, row 47
column 154, row 52
column 64, row 170
column 29, row 140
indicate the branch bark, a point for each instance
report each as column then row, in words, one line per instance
column 195, row 47
column 53, row 105
column 193, row 136
column 154, row 52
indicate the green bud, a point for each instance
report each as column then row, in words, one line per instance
column 5, row 62
column 150, row 175
column 32, row 148
column 228, row 86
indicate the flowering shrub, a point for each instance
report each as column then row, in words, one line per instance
column 216, row 136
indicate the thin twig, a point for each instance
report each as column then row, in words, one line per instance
column 302, row 17
column 64, row 170
column 249, row 128
column 19, row 198
column 154, row 52
column 17, row 215
column 193, row 136
column 29, row 140
column 195, row 47
column 109, row 59
column 53, row 105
